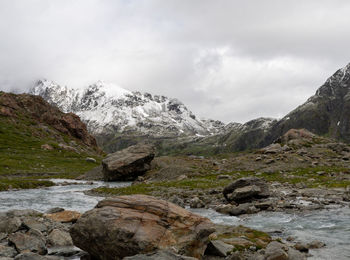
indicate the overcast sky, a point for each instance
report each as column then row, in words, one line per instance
column 227, row 60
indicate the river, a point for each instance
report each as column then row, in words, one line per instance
column 330, row 226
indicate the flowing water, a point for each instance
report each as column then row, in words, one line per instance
column 69, row 197
column 329, row 226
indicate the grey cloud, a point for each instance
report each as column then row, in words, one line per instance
column 229, row 60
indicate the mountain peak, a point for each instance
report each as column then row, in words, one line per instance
column 111, row 90
column 109, row 109
column 340, row 77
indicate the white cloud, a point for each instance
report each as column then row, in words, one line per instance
column 229, row 60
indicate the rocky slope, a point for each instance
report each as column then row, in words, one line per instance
column 325, row 113
column 36, row 137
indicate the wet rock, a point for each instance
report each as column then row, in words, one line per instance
column 218, row 248
column 225, row 208
column 139, row 224
column 34, row 256
column 196, row 203
column 301, row 247
column 59, row 238
column 128, row 164
column 24, row 243
column 294, row 254
column 65, row 216
column 246, row 189
column 276, row 251
column 159, row 255
column 315, row 244
column 7, row 251
column 245, row 208
column 54, row 210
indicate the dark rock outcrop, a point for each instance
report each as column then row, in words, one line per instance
column 246, row 189
column 129, row 225
column 128, row 164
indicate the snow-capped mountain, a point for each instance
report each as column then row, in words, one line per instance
column 107, row 108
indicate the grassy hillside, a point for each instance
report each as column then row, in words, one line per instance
column 31, row 149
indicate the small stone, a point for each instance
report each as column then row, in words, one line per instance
column 181, row 177
column 301, row 247
column 315, row 244
column 223, row 176
column 196, row 203
column 218, row 248
column 90, row 159
column 46, row 147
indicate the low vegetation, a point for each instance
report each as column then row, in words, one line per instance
column 22, row 154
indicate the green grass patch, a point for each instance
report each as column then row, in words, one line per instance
column 6, row 184
column 21, row 153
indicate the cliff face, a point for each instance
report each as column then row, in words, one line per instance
column 325, row 113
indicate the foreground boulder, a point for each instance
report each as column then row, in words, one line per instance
column 246, row 190
column 138, row 224
column 128, row 164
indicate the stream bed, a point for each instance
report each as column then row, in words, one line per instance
column 330, row 226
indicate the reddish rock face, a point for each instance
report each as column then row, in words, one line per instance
column 297, row 134
column 65, row 216
column 129, row 225
column 37, row 109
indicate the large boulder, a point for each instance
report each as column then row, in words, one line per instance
column 138, row 224
column 246, row 189
column 128, row 164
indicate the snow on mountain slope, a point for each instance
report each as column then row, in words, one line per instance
column 107, row 108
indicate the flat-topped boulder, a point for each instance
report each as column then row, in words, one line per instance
column 139, row 224
column 246, row 189
column 128, row 164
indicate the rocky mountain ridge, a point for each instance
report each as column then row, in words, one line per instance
column 107, row 108
column 125, row 118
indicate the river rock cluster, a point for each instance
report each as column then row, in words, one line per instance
column 134, row 227
column 32, row 235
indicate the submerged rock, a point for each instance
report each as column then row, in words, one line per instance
column 129, row 225
column 128, row 164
